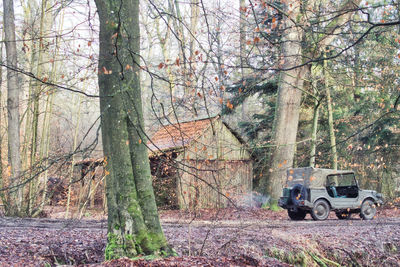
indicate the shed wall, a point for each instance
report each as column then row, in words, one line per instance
column 214, row 184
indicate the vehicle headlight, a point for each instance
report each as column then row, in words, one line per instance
column 379, row 195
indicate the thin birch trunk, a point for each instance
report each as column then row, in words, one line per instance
column 165, row 52
column 330, row 119
column 192, row 79
column 178, row 25
column 71, row 170
column 41, row 70
column 74, row 146
column 313, row 145
column 242, row 51
column 45, row 138
column 31, row 56
column 220, row 63
column 90, row 196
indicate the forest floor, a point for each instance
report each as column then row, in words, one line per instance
column 227, row 237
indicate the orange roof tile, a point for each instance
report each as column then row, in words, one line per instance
column 178, row 135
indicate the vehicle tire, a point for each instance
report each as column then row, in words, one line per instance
column 320, row 210
column 297, row 215
column 368, row 210
column 343, row 215
column 298, row 193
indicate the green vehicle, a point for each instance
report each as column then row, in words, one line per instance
column 319, row 191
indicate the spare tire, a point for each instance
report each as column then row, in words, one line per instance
column 298, row 193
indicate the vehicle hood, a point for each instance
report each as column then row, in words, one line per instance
column 369, row 191
column 373, row 193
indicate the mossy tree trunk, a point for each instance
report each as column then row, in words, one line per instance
column 133, row 223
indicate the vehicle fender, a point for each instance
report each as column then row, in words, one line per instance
column 370, row 198
column 324, row 198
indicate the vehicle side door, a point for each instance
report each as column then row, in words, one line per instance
column 342, row 190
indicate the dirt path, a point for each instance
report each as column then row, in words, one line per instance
column 56, row 241
column 61, row 224
column 55, row 224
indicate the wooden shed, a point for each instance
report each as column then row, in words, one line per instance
column 200, row 164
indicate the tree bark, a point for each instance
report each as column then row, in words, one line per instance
column 42, row 70
column 313, row 148
column 133, row 223
column 288, row 103
column 242, row 48
column 2, row 195
column 332, row 137
column 16, row 186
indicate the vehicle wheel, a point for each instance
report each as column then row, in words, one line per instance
column 297, row 215
column 343, row 215
column 368, row 210
column 320, row 210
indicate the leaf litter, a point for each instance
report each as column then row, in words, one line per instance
column 228, row 237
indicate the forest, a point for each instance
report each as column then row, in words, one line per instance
column 164, row 130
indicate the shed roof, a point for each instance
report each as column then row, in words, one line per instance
column 178, row 135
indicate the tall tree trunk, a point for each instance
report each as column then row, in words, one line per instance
column 46, row 128
column 37, row 60
column 192, row 77
column 313, row 148
column 133, row 223
column 242, row 48
column 330, row 119
column 16, row 190
column 288, row 103
column 35, row 119
column 2, row 185
column 74, row 144
column 178, row 24
column 313, row 143
column 220, row 63
column 31, row 59
column 164, row 39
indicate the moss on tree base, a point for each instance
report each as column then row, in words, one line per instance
column 145, row 244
